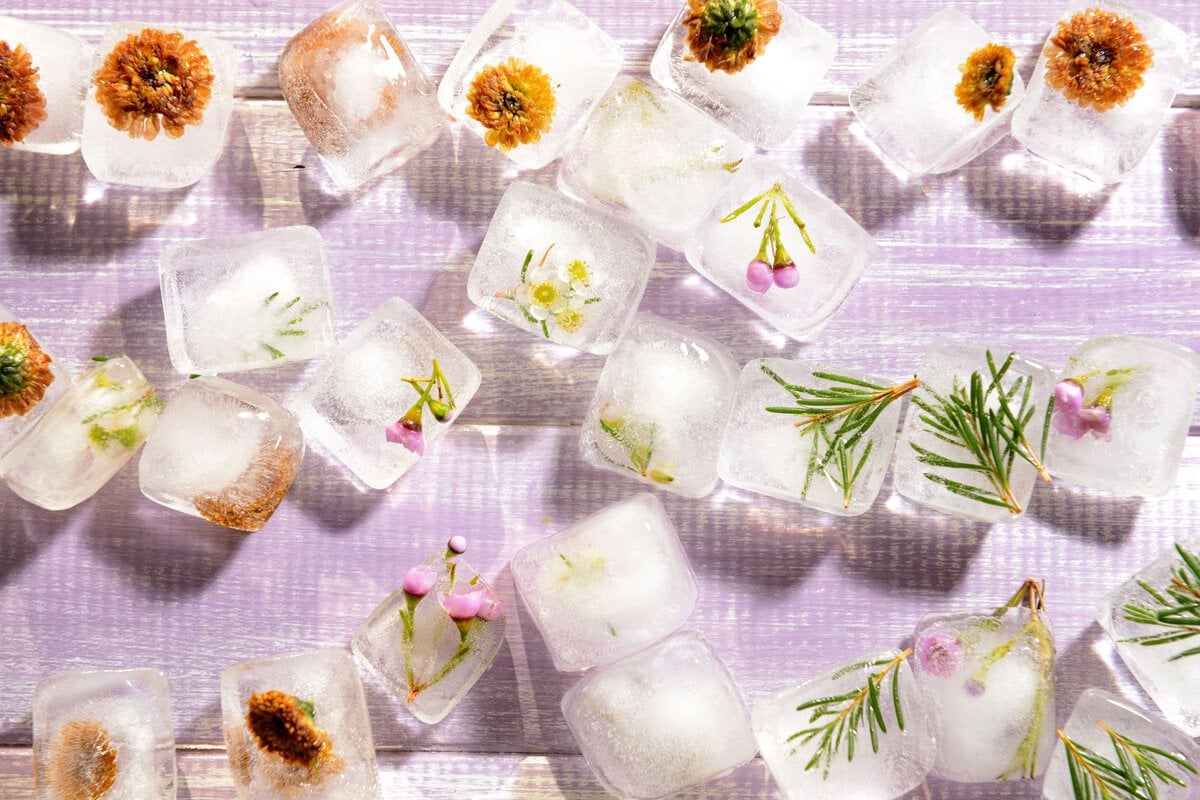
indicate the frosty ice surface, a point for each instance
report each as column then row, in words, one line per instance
column 1121, row 416
column 660, row 721
column 609, row 585
column 103, row 733
column 358, row 92
column 660, row 406
column 911, row 105
column 528, row 76
column 1102, row 129
column 173, row 139
column 387, row 393
column 296, row 726
column 784, row 251
column 30, row 379
column 85, row 439
column 244, row 302
column 52, row 70
column 761, row 101
column 561, row 270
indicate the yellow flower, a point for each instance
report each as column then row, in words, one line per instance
column 570, row 320
column 22, row 104
column 1097, row 58
column 547, row 298
column 514, row 101
column 987, row 80
column 728, row 34
column 575, row 273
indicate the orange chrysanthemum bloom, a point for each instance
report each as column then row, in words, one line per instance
column 285, row 726
column 154, row 80
column 24, row 370
column 987, row 80
column 250, row 501
column 82, row 764
column 728, row 34
column 22, row 104
column 514, row 101
column 1098, row 58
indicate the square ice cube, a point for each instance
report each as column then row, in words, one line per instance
column 542, row 56
column 735, row 249
column 609, row 585
column 561, row 270
column 432, row 639
column 245, row 302
column 51, row 121
column 297, row 726
column 764, row 448
column 1144, row 392
column 31, row 380
column 762, row 101
column 920, row 103
column 661, row 721
column 363, row 402
column 103, row 733
column 359, row 93
column 1131, row 729
column 1103, row 129
column 999, row 482
column 222, row 452
column 806, row 771
column 176, row 140
column 85, row 438
column 653, row 159
column 660, row 406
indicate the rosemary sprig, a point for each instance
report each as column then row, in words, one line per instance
column 1178, row 611
column 290, row 314
column 1130, row 775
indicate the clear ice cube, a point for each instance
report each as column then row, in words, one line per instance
column 660, row 407
column 245, row 302
column 20, row 404
column 103, row 733
column 165, row 149
column 561, row 270
column 85, row 438
column 661, row 721
column 297, row 726
column 63, row 63
column 360, row 404
column 359, row 93
column 609, row 585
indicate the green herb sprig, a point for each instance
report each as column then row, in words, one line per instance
column 1131, row 774
column 1178, row 607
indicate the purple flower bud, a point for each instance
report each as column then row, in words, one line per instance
column 1068, row 395
column 1068, row 423
column 419, row 581
column 758, row 276
column 407, row 433
column 973, row 687
column 787, row 276
column 939, row 653
column 1097, row 419
column 462, row 606
column 458, row 544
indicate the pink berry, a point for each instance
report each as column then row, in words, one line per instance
column 758, row 276
column 787, row 277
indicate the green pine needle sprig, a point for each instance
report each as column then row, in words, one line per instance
column 1176, row 609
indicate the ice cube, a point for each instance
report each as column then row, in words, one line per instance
column 762, row 101
column 793, row 286
column 542, row 56
column 1133, row 729
column 765, row 450
column 805, row 770
column 922, row 107
column 363, row 402
column 561, row 270
column 1121, row 422
column 653, row 159
column 296, row 726
column 660, row 721
column 222, row 452
column 31, row 380
column 1155, row 638
column 359, row 93
column 433, row 638
column 50, row 120
column 245, row 302
column 609, row 585
column 924, row 471
column 85, row 438
column 1101, row 140
column 103, row 733
column 175, row 140
column 660, row 406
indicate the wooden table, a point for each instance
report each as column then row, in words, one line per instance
column 1000, row 252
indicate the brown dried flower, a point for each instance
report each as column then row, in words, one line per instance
column 514, row 101
column 24, row 370
column 82, row 764
column 22, row 104
column 728, row 34
column 1097, row 58
column 285, row 726
column 154, row 80
column 249, row 502
column 987, row 80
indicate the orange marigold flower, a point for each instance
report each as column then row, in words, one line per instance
column 514, row 101
column 154, row 80
column 249, row 502
column 285, row 726
column 728, row 34
column 22, row 104
column 24, row 370
column 1097, row 58
column 82, row 763
column 987, row 80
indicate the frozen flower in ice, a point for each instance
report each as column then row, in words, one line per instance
column 1068, row 395
column 154, row 80
column 786, row 276
column 514, row 101
column 457, row 544
column 728, row 34
column 547, row 298
column 575, row 274
column 82, row 764
column 1097, row 419
column 1097, row 58
column 772, row 264
column 569, row 321
column 407, row 431
column 286, row 726
column 987, row 80
column 974, row 687
column 490, row 607
column 22, row 104
column 242, row 509
column 939, row 653
column 24, row 370
column 1072, row 418
column 419, row 581
column 462, row 606
column 759, row 276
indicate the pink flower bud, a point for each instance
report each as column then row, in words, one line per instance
column 758, row 276
column 407, row 433
column 1097, row 419
column 1068, row 395
column 492, row 607
column 457, row 544
column 939, row 654
column 462, row 606
column 787, row 277
column 419, row 581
